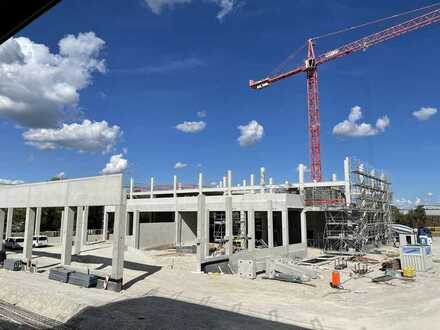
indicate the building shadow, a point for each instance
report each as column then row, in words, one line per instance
column 162, row 313
column 105, row 262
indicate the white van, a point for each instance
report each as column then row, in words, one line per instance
column 39, row 241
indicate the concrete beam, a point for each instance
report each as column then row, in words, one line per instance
column 251, row 229
column 228, row 226
column 66, row 248
column 119, row 241
column 285, row 226
column 269, row 223
column 2, row 224
column 9, row 218
column 28, row 234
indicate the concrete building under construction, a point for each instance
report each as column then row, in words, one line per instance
column 224, row 223
column 232, row 221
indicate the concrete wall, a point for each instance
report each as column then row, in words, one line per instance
column 153, row 235
column 189, row 228
column 260, row 255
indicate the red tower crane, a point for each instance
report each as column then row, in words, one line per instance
column 312, row 62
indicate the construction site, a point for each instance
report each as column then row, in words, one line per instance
column 243, row 253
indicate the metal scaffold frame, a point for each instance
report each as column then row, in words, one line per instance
column 365, row 221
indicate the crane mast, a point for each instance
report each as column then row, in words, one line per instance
column 310, row 67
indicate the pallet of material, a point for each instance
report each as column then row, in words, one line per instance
column 12, row 264
column 83, row 280
column 60, row 274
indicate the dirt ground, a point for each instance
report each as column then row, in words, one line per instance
column 162, row 291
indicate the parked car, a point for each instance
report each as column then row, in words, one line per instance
column 39, row 241
column 14, row 243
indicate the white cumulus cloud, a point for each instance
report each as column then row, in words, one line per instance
column 250, row 134
column 352, row 128
column 87, row 136
column 10, row 182
column 425, row 113
column 191, row 126
column 40, row 89
column 180, row 165
column 117, row 164
column 226, row 6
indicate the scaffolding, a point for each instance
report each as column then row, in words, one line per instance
column 364, row 221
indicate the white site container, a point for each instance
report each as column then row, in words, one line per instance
column 417, row 255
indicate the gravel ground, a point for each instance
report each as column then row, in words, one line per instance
column 164, row 293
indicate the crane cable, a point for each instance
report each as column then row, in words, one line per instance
column 278, row 68
column 375, row 21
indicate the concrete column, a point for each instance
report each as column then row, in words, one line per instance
column 347, row 181
column 205, row 233
column 228, row 226
column 9, row 217
column 131, row 188
column 77, row 244
column 151, row 187
column 251, row 229
column 105, row 225
column 66, row 248
column 285, row 226
column 269, row 223
column 271, row 185
column 201, row 220
column 2, row 224
column 304, row 227
column 243, row 229
column 85, row 226
column 301, row 170
column 225, row 185
column 200, row 183
column 136, row 229
column 178, row 220
column 62, row 226
column 252, row 183
column 127, row 223
column 119, row 240
column 28, row 234
column 175, row 186
column 262, row 179
column 229, row 183
column 38, row 221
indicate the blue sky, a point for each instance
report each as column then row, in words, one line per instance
column 150, row 65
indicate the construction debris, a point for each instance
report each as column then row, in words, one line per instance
column 288, row 270
column 340, row 263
